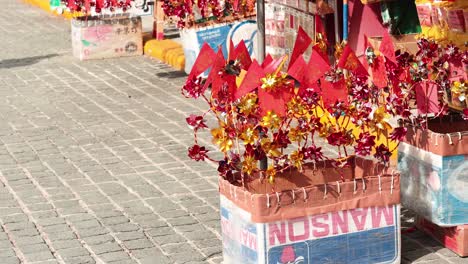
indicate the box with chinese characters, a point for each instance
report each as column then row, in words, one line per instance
column 106, row 37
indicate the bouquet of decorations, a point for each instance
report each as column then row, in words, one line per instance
column 198, row 11
column 287, row 116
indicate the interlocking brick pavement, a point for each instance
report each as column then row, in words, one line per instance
column 93, row 165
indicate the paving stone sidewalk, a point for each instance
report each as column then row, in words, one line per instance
column 93, row 165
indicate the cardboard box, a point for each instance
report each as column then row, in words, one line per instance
column 433, row 164
column 317, row 215
column 454, row 238
column 403, row 42
column 362, row 235
column 106, row 37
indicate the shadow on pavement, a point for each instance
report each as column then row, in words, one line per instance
column 172, row 74
column 13, row 63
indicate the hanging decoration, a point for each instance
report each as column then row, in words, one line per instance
column 191, row 12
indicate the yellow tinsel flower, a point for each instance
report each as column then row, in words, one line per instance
column 295, row 135
column 249, row 135
column 297, row 109
column 249, row 164
column 325, row 129
column 270, row 148
column 274, row 81
column 221, row 139
column 271, row 173
column 381, row 118
column 297, row 159
column 271, row 120
column 248, row 104
column 459, row 90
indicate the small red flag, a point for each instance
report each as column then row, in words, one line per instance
column 316, row 68
column 350, row 62
column 203, row 62
column 427, row 98
column 387, row 48
column 251, row 80
column 331, row 92
column 297, row 70
column 242, row 54
column 300, row 46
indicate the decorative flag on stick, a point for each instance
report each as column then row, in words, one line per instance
column 204, row 60
column 349, row 61
column 300, row 46
column 274, row 89
column 387, row 49
column 427, row 98
column 333, row 91
column 376, row 64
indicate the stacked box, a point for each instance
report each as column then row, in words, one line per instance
column 315, row 218
column 106, row 37
column 454, row 238
column 433, row 165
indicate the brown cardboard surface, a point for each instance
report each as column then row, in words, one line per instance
column 296, row 194
column 445, row 136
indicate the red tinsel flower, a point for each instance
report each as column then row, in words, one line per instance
column 428, row 49
column 252, row 151
column 224, row 169
column 281, row 139
column 465, row 114
column 382, row 153
column 398, row 133
column 337, row 139
column 193, row 88
column 197, row 153
column 364, row 144
column 313, row 153
column 196, row 122
column 309, row 96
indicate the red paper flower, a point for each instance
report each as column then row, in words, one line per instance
column 382, row 153
column 465, row 114
column 282, row 139
column 364, row 144
column 193, row 88
column 338, row 139
column 398, row 133
column 196, row 122
column 313, row 153
column 197, row 153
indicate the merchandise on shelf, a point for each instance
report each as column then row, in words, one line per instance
column 444, row 21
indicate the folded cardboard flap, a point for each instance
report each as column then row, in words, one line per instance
column 318, row 174
column 315, row 191
column 445, row 136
